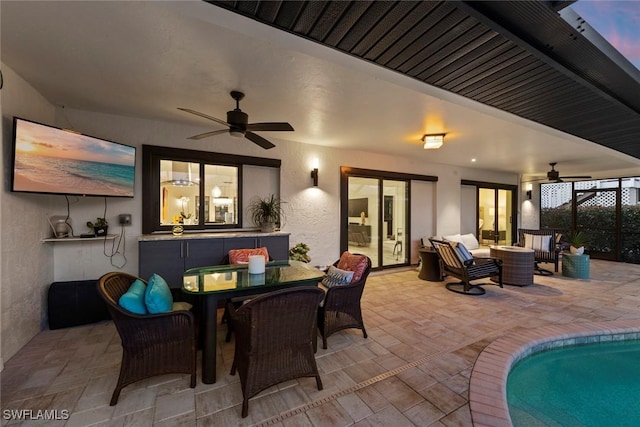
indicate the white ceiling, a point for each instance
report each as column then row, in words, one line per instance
column 145, row 59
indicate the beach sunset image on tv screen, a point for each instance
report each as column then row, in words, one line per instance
column 52, row 160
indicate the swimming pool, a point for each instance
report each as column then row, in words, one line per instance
column 586, row 385
column 488, row 382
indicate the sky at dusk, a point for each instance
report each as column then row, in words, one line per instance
column 617, row 21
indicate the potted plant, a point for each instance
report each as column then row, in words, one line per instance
column 267, row 212
column 577, row 240
column 299, row 253
column 99, row 227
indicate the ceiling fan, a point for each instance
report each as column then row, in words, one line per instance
column 239, row 126
column 554, row 176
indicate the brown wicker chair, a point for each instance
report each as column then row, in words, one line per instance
column 341, row 308
column 477, row 268
column 275, row 336
column 550, row 254
column 152, row 344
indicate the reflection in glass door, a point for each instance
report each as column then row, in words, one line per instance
column 362, row 212
column 495, row 225
column 394, row 236
column 377, row 219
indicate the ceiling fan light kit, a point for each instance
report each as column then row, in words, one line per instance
column 239, row 126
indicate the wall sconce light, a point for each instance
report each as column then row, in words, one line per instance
column 314, row 173
column 529, row 191
column 433, row 140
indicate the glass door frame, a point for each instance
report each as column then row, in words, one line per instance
column 513, row 189
column 347, row 172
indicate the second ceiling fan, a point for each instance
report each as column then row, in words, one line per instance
column 554, row 176
column 239, row 126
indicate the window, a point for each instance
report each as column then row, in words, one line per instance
column 201, row 190
column 180, row 194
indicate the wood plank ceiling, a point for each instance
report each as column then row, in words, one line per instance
column 518, row 56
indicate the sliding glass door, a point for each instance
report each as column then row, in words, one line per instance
column 495, row 216
column 376, row 219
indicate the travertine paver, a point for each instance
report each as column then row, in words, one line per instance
column 414, row 369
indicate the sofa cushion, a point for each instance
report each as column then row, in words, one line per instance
column 133, row 299
column 181, row 306
column 337, row 277
column 241, row 256
column 351, row 262
column 453, row 238
column 470, row 241
column 537, row 242
column 157, row 297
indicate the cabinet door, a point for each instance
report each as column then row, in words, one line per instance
column 278, row 246
column 203, row 252
column 163, row 257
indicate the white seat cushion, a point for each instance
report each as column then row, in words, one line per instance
column 470, row 241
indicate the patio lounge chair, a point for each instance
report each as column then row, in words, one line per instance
column 456, row 261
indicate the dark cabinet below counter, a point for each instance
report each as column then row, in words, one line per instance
column 170, row 257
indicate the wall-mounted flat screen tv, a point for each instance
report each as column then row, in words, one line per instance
column 50, row 160
column 357, row 206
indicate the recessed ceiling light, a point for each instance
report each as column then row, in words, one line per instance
column 473, row 160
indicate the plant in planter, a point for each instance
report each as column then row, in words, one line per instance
column 267, row 212
column 99, row 227
column 299, row 253
column 577, row 240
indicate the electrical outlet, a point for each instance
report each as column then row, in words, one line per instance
column 125, row 219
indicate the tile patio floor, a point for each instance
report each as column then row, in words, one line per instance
column 413, row 370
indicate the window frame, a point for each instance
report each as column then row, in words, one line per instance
column 151, row 157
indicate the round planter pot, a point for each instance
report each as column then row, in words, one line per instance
column 267, row 227
column 577, row 251
column 100, row 231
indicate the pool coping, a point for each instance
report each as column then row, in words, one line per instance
column 488, row 383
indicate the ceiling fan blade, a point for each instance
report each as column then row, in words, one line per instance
column 208, row 134
column 274, row 126
column 576, row 177
column 206, row 116
column 258, row 140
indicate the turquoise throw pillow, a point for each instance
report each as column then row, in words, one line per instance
column 158, row 297
column 133, row 299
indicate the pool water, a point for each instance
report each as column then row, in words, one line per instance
column 584, row 385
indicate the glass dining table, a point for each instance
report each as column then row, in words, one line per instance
column 221, row 282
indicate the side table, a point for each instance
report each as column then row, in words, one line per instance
column 576, row 266
column 430, row 269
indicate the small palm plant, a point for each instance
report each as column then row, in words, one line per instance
column 267, row 212
column 577, row 240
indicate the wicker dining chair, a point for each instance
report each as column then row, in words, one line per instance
column 275, row 335
column 341, row 307
column 152, row 344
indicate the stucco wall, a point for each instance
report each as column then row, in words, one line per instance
column 313, row 217
column 27, row 264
